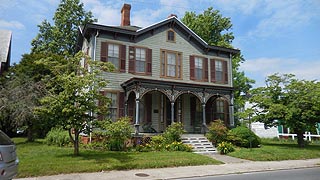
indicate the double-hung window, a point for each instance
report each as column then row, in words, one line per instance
column 113, row 54
column 198, row 62
column 113, row 106
column 140, row 60
column 219, row 71
column 171, row 64
column 198, row 68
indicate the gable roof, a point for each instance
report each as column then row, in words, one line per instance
column 5, row 42
column 133, row 32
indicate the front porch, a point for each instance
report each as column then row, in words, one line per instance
column 154, row 105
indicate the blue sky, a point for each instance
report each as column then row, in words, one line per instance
column 273, row 35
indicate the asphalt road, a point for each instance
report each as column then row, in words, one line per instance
column 293, row 174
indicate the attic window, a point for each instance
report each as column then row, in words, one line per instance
column 171, row 36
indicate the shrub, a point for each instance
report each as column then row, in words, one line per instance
column 169, row 141
column 118, row 133
column 57, row 136
column 241, row 136
column 217, row 132
column 178, row 146
column 173, row 133
column 225, row 147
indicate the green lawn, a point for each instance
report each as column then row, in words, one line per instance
column 272, row 150
column 38, row 159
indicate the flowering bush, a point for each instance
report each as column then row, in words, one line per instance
column 217, row 132
column 225, row 147
column 178, row 146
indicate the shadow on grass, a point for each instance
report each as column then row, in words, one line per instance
column 292, row 145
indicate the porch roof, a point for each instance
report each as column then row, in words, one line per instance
column 164, row 84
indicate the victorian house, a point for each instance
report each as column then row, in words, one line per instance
column 165, row 73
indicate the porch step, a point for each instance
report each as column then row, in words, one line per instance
column 199, row 143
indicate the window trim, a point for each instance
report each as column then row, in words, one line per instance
column 225, row 71
column 116, row 105
column 132, row 60
column 205, row 70
column 145, row 60
column 174, row 36
column 177, row 53
column 104, row 55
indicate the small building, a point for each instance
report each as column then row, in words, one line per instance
column 5, row 50
column 165, row 73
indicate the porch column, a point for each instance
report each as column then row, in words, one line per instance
column 231, row 111
column 172, row 112
column 136, row 125
column 204, row 124
column 126, row 108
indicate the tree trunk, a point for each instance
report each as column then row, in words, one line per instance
column 30, row 137
column 75, row 141
column 301, row 141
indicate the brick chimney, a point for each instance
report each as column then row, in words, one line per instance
column 125, row 15
column 172, row 15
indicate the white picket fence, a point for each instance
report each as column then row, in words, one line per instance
column 307, row 135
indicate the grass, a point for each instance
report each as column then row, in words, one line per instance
column 38, row 159
column 272, row 150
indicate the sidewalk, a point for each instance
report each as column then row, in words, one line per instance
column 232, row 166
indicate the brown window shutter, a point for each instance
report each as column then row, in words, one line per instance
column 121, row 104
column 192, row 68
column 205, row 63
column 149, row 61
column 193, row 108
column 104, row 52
column 148, row 106
column 225, row 72
column 123, row 58
column 132, row 59
column 213, row 70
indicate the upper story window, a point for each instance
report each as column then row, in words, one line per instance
column 219, row 71
column 171, row 36
column 140, row 60
column 114, row 53
column 198, row 62
column 171, row 64
column 198, row 68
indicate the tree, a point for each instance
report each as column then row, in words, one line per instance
column 215, row 29
column 71, row 100
column 287, row 100
column 20, row 94
column 61, row 38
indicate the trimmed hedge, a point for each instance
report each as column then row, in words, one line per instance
column 241, row 136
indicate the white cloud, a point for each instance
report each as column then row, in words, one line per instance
column 11, row 24
column 281, row 17
column 273, row 18
column 263, row 67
